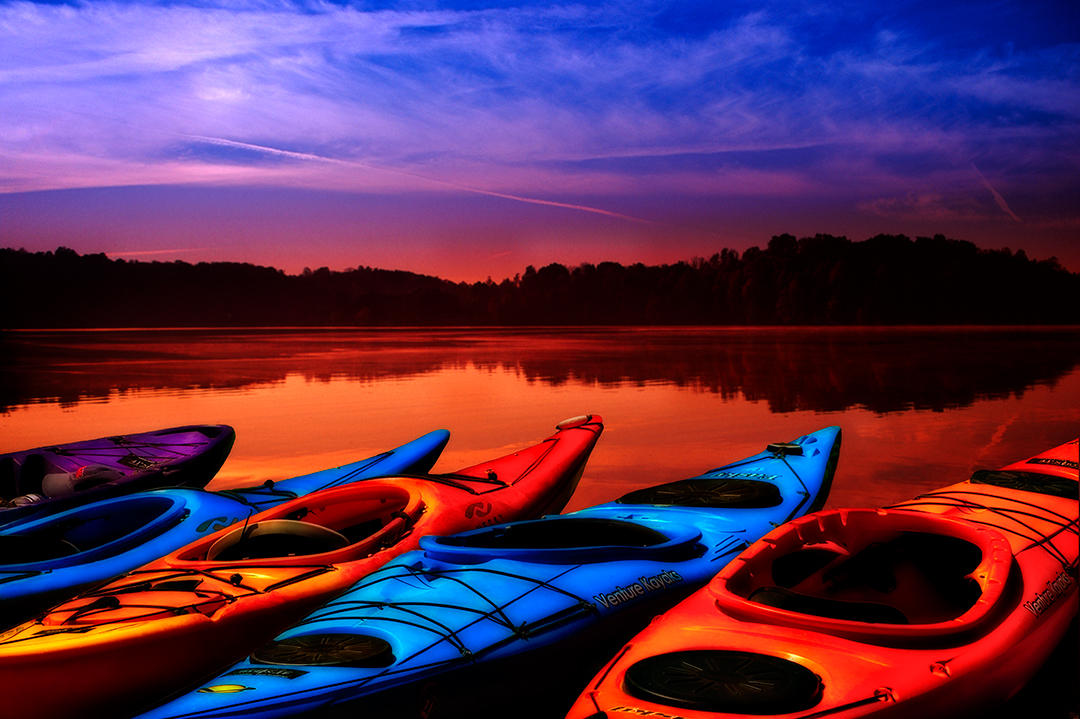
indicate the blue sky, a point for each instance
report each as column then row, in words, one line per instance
column 415, row 132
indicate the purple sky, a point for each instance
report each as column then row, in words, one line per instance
column 468, row 139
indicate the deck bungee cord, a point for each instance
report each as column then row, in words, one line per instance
column 1036, row 539
column 462, row 609
column 939, row 606
column 51, row 557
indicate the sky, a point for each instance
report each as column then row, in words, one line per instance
column 468, row 139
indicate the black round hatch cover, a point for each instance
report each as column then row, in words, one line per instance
column 712, row 492
column 1027, row 482
column 734, row 682
column 326, row 650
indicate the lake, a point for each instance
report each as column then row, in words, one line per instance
column 919, row 407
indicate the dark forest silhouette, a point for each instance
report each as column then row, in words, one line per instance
column 820, row 280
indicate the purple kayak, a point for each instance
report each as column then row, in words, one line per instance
column 51, row 479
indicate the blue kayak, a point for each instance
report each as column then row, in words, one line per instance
column 518, row 606
column 46, row 559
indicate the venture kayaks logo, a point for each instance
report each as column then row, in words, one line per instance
column 268, row 672
column 1055, row 589
column 746, row 475
column 645, row 712
column 1067, row 463
column 640, row 588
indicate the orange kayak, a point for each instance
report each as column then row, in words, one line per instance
column 940, row 606
column 159, row 628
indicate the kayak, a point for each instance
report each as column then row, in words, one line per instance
column 54, row 478
column 158, row 629
column 941, row 606
column 484, row 617
column 44, row 560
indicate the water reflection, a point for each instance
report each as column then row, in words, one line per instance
column 822, row 369
column 920, row 408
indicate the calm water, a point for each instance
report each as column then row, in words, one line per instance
column 920, row 408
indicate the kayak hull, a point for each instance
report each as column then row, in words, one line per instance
column 161, row 627
column 430, row 632
column 838, row 619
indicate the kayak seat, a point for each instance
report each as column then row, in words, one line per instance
column 908, row 577
column 872, row 567
column 276, row 538
column 870, row 612
column 362, row 530
column 792, row 569
column 708, row 492
column 927, row 574
column 27, row 548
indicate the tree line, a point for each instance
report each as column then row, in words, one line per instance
column 819, row 280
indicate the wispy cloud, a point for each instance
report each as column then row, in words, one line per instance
column 516, row 102
column 312, row 157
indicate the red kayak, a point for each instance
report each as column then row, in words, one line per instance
column 941, row 606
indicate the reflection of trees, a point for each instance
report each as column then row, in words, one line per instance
column 791, row 369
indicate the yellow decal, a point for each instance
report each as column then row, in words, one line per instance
column 225, row 689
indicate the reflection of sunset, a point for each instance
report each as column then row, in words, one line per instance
column 656, row 432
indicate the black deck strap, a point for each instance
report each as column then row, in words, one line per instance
column 240, row 494
column 955, row 493
column 1036, row 538
column 877, row 697
column 345, row 478
column 103, row 603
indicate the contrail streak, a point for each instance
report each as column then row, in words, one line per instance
column 443, row 183
column 997, row 196
column 140, row 253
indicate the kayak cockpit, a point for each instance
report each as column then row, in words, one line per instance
column 355, row 519
column 90, row 533
column 871, row 573
column 564, row 540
